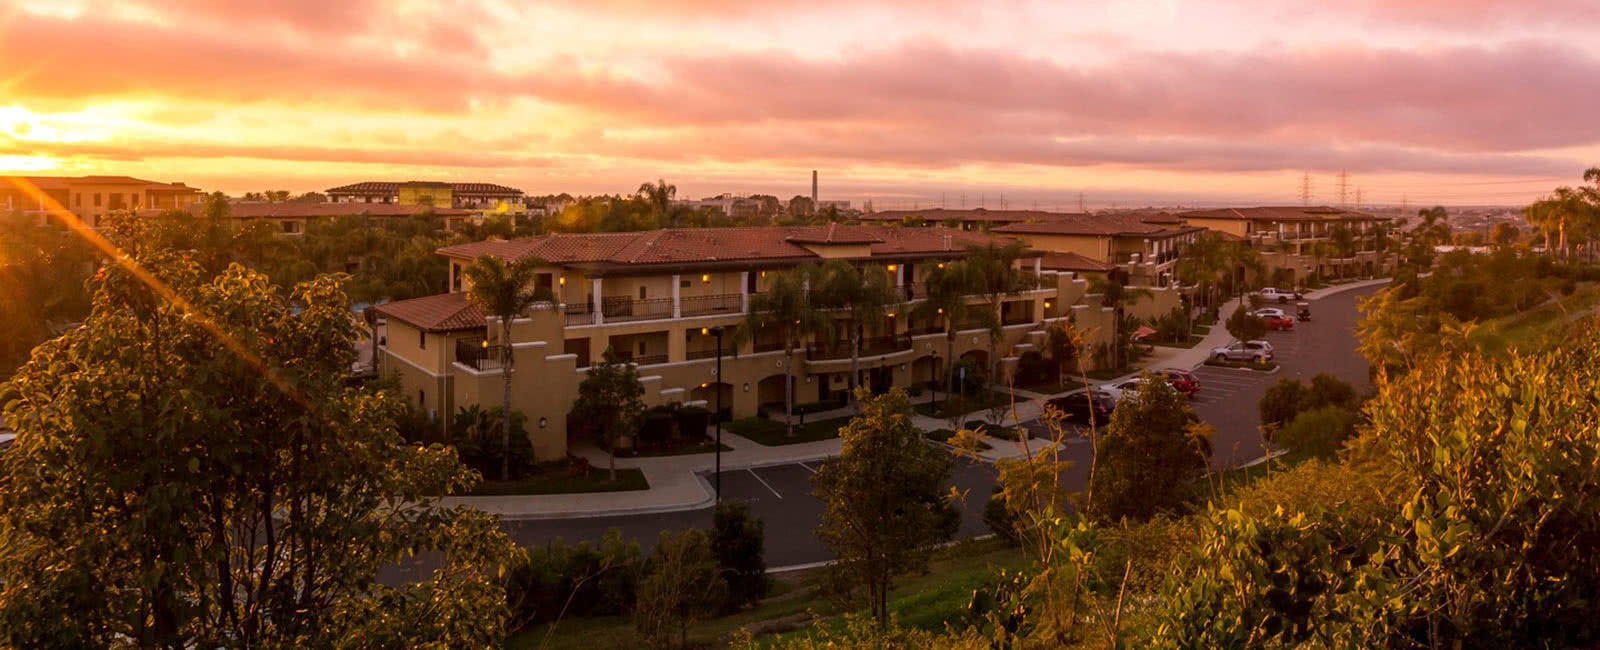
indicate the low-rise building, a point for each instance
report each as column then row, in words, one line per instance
column 482, row 197
column 291, row 218
column 654, row 297
column 93, row 198
column 1297, row 242
column 974, row 219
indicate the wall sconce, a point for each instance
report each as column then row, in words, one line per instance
column 941, row 310
column 747, row 387
column 543, row 422
column 704, row 384
column 486, row 343
column 704, row 331
column 902, row 367
column 893, row 268
column 941, row 265
column 562, row 280
column 808, row 379
column 705, row 278
column 763, row 274
column 1046, row 304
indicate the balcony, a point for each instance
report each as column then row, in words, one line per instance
column 642, row 359
column 705, row 354
column 873, row 346
column 579, row 314
column 477, row 355
column 723, row 303
column 619, row 309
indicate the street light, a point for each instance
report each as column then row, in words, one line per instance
column 716, row 415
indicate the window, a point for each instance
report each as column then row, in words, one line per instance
column 77, row 199
column 97, row 199
column 641, row 348
column 133, row 199
column 291, row 227
column 644, row 292
column 422, row 339
column 684, row 284
column 455, row 276
column 422, row 397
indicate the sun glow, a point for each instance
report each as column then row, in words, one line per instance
column 19, row 163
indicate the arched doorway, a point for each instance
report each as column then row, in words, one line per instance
column 769, row 394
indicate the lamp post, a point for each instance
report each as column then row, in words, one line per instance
column 716, row 415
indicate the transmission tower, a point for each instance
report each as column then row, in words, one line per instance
column 1080, row 202
column 1344, row 187
column 1358, row 197
column 963, row 200
column 1305, row 189
column 941, row 200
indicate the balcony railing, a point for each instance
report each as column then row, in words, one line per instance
column 723, row 303
column 869, row 347
column 704, row 354
column 474, row 353
column 642, row 359
column 623, row 308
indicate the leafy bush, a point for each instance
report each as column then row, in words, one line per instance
column 599, row 581
column 692, row 421
column 1319, row 432
column 1328, row 390
column 999, row 518
column 1245, row 326
column 656, row 426
column 1033, row 368
column 739, row 542
column 1281, row 402
column 476, row 435
column 1173, row 327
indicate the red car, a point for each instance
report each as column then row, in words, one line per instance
column 1279, row 322
column 1182, row 380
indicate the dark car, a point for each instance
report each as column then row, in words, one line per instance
column 1079, row 407
column 1182, row 380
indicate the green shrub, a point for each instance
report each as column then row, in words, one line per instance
column 1319, row 432
column 600, row 581
column 1328, row 390
column 739, row 541
column 693, row 420
column 1281, row 402
column 477, row 437
column 999, row 518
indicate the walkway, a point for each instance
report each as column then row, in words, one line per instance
column 679, row 483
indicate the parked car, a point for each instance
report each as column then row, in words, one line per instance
column 1186, row 382
column 1082, row 406
column 1269, row 312
column 1278, row 322
column 1244, row 351
column 1280, row 295
column 1121, row 389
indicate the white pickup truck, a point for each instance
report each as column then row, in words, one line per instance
column 1280, row 295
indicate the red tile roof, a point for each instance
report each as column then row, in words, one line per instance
column 1072, row 262
column 1133, row 224
column 938, row 215
column 717, row 245
column 445, row 312
column 391, row 187
column 1282, row 213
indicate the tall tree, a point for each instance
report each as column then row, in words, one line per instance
column 866, row 296
column 658, row 196
column 506, row 291
column 683, row 586
column 947, row 288
column 996, row 276
column 883, row 508
column 1117, row 295
column 191, row 469
column 788, row 308
column 1204, row 264
column 1147, row 454
column 609, row 400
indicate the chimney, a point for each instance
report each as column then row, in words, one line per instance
column 813, row 187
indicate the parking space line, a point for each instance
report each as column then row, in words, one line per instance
column 764, row 482
column 813, row 470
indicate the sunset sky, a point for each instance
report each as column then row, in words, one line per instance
column 1131, row 102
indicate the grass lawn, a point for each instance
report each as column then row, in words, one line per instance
column 1527, row 328
column 562, row 481
column 969, row 405
column 925, row 601
column 701, row 447
column 771, row 432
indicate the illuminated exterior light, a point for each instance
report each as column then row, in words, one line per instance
column 486, row 343
column 893, row 268
column 563, row 280
column 705, row 278
column 704, row 331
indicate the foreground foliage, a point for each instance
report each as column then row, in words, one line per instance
column 191, row 470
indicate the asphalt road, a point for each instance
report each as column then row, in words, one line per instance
column 781, row 495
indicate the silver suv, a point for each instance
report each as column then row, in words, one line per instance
column 1260, row 351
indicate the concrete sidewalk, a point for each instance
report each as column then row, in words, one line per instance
column 680, row 482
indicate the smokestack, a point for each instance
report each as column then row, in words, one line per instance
column 813, row 187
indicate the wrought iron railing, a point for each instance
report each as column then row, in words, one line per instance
column 869, row 346
column 624, row 308
column 722, row 303
column 474, row 353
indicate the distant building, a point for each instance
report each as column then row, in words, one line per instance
column 92, row 198
column 974, row 219
column 738, row 207
column 482, row 197
column 1297, row 241
column 292, row 217
column 1145, row 247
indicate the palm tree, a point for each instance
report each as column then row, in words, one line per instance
column 1344, row 243
column 867, row 296
column 995, row 275
column 504, row 290
column 658, row 196
column 1118, row 296
column 786, row 307
column 1204, row 263
column 1241, row 257
column 945, row 297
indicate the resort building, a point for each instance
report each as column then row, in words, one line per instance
column 290, row 218
column 1297, row 242
column 92, row 198
column 481, row 197
column 1144, row 247
column 655, row 298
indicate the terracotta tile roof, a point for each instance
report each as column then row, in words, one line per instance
column 67, row 181
column 445, row 312
column 1282, row 213
column 1072, row 262
column 713, row 245
column 1133, row 224
column 938, row 215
